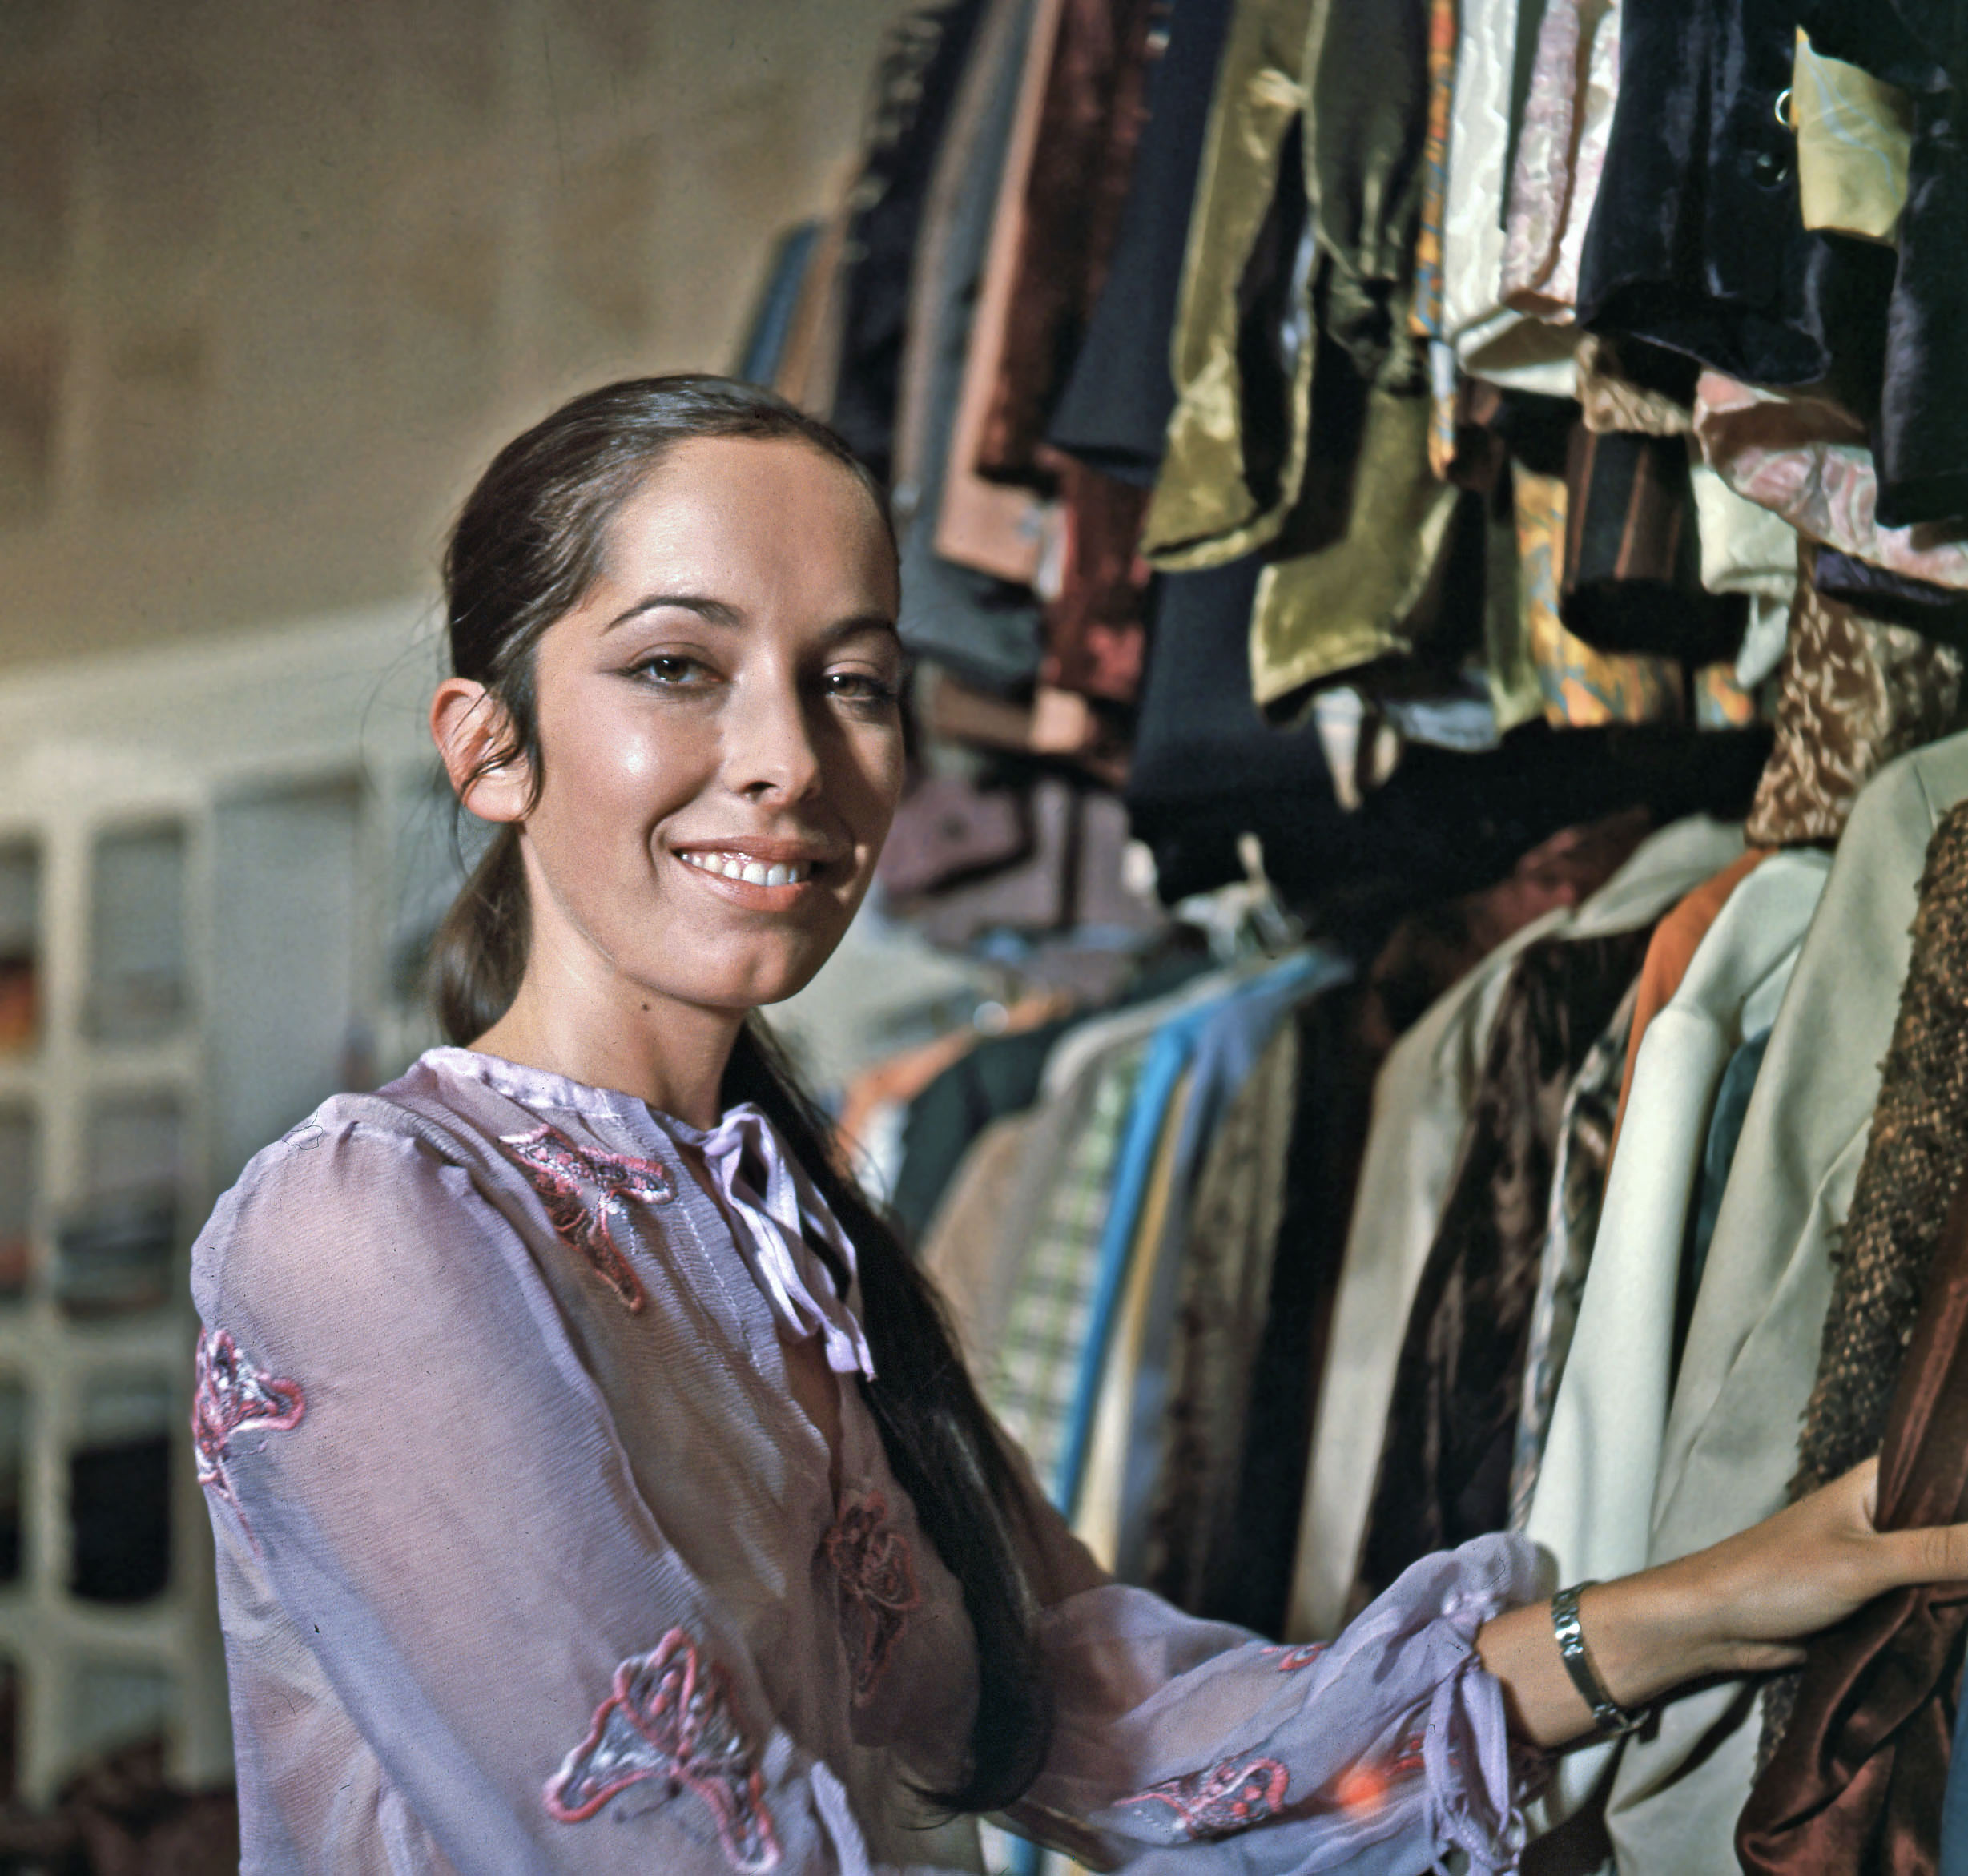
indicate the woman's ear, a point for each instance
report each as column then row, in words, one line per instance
column 470, row 726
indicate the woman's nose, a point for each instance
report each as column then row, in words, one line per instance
column 771, row 749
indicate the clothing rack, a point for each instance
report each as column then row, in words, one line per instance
column 1357, row 507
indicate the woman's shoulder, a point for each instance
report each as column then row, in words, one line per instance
column 383, row 1159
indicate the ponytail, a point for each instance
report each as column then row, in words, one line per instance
column 479, row 953
column 941, row 1443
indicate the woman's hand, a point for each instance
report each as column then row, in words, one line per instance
column 1742, row 1605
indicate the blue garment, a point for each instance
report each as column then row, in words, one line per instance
column 1731, row 1103
column 985, row 629
column 1954, row 1804
column 772, row 321
column 1235, row 1026
column 1227, row 1054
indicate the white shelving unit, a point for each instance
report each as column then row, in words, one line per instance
column 223, row 859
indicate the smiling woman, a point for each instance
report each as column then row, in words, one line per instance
column 595, row 1483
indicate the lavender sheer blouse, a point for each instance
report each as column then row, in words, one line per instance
column 528, row 1560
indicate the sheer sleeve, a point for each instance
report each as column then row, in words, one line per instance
column 409, row 1467
column 1182, row 1745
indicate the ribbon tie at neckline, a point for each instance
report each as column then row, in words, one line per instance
column 782, row 1261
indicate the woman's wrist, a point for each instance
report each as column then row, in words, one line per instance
column 1648, row 1634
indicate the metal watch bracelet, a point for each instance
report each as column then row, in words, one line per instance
column 1608, row 1716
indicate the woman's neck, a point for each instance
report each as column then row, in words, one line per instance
column 671, row 1055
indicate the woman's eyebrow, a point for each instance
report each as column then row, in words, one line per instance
column 715, row 611
column 718, row 613
column 862, row 621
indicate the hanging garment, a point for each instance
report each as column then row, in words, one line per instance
column 1362, row 563
column 996, row 528
column 1571, row 1225
column 1090, row 119
column 1954, row 1806
column 1898, row 599
column 771, row 321
column 1236, row 1047
column 1916, row 44
column 1855, row 1784
column 1601, row 1455
column 1247, row 1578
column 1489, row 338
column 947, row 826
column 923, row 62
column 1033, row 1386
column 1915, row 1159
column 960, row 1249
column 1101, row 1486
column 1095, row 626
column 1696, row 241
column 1582, row 686
column 1810, row 461
column 1751, row 1355
column 1675, row 941
column 1113, row 414
column 1747, row 549
column 811, row 355
column 1422, row 1102
column 1732, row 1107
column 1561, row 149
column 1445, row 1458
column 1851, row 694
column 984, row 628
column 1346, row 88
column 1854, row 136
column 1625, row 384
column 1632, row 579
column 1215, row 499
column 1425, row 309
column 1220, row 1279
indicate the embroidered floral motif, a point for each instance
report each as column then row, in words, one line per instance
column 1221, row 1802
column 871, row 1558
column 234, row 1395
column 668, row 1717
column 1291, row 1659
column 563, row 1174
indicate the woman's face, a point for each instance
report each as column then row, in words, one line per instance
column 720, row 731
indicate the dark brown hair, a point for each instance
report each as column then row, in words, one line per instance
column 527, row 544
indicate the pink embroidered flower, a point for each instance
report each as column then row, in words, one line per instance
column 235, row 1395
column 564, row 1174
column 1221, row 1802
column 668, row 1717
column 871, row 1561
column 1291, row 1659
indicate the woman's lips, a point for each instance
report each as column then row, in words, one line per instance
column 729, row 864
column 763, row 885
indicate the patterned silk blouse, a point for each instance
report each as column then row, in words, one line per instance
column 529, row 1561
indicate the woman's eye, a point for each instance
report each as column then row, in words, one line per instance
column 860, row 687
column 669, row 669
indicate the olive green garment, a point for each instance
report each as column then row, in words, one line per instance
column 1355, row 77
column 1369, row 584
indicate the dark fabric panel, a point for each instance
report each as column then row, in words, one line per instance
column 1923, row 439
column 1116, row 404
column 924, row 61
column 1632, row 577
column 1697, row 241
column 1248, row 1576
column 1445, row 1461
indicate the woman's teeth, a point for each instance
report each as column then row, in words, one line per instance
column 735, row 866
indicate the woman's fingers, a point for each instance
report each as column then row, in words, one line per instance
column 1938, row 1553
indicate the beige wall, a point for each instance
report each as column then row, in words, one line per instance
column 277, row 276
